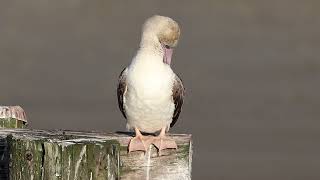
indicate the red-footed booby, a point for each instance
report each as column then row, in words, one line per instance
column 150, row 94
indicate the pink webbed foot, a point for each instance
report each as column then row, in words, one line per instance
column 164, row 142
column 139, row 142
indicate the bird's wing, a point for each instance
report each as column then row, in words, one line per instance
column 122, row 89
column 178, row 93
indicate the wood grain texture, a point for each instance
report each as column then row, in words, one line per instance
column 53, row 155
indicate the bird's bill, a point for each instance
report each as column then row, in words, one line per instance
column 167, row 55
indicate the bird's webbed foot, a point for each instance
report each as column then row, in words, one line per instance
column 139, row 142
column 163, row 142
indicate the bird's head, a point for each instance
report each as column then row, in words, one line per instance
column 163, row 34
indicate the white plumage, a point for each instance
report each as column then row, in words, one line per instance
column 148, row 101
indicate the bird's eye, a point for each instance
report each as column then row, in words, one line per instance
column 168, row 47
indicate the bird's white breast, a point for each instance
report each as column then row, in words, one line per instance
column 148, row 100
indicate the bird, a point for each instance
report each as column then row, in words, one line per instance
column 150, row 95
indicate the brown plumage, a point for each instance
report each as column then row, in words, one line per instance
column 122, row 88
column 178, row 93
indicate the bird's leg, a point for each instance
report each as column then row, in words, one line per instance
column 164, row 142
column 139, row 142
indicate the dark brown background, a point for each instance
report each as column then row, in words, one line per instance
column 251, row 69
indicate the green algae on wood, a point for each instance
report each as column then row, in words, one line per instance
column 12, row 123
column 81, row 160
column 25, row 158
column 38, row 156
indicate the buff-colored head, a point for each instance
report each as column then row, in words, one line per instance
column 162, row 33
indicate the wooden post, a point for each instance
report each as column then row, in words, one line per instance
column 12, row 117
column 65, row 155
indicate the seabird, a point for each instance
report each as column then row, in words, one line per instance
column 150, row 94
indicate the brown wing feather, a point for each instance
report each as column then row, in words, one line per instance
column 121, row 90
column 178, row 93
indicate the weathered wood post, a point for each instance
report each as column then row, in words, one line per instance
column 65, row 155
column 12, row 117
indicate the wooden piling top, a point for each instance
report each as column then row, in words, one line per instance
column 63, row 154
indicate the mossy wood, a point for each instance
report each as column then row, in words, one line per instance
column 12, row 123
column 54, row 155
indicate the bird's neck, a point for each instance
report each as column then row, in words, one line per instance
column 150, row 43
column 148, row 57
column 150, row 53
